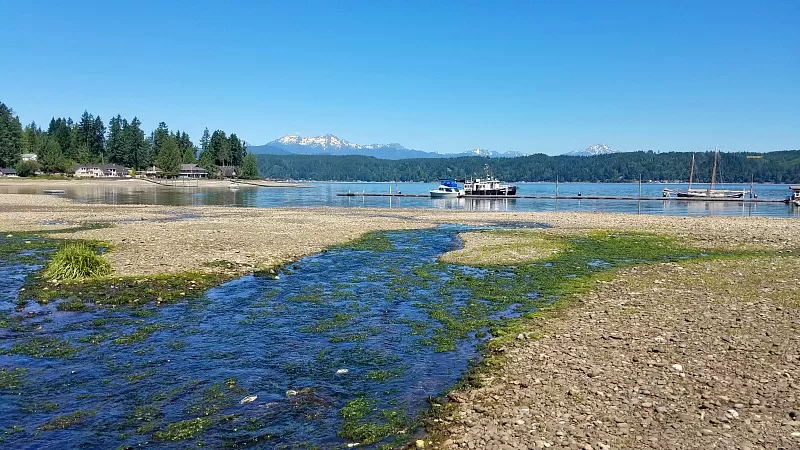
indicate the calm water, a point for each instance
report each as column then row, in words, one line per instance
column 324, row 194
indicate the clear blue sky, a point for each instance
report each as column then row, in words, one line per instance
column 549, row 76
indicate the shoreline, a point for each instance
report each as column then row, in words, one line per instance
column 589, row 344
column 192, row 237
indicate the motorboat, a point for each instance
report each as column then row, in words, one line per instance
column 447, row 189
column 488, row 186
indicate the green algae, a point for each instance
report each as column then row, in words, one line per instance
column 183, row 430
column 126, row 291
column 374, row 241
column 216, row 398
column 12, row 379
column 42, row 347
column 67, row 421
column 364, row 422
column 140, row 334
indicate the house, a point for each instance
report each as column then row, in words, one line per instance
column 100, row 170
column 229, row 171
column 152, row 172
column 29, row 157
column 192, row 171
column 8, row 173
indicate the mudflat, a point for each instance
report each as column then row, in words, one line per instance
column 695, row 354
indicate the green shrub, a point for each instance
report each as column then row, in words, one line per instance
column 75, row 261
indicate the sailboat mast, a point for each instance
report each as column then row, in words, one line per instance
column 691, row 173
column 714, row 169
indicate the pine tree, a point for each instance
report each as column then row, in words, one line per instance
column 250, row 167
column 52, row 158
column 237, row 150
column 115, row 147
column 135, row 148
column 169, row 156
column 205, row 140
column 10, row 137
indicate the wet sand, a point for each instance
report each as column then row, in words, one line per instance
column 168, row 239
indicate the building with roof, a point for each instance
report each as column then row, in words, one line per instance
column 192, row 171
column 101, row 171
column 8, row 172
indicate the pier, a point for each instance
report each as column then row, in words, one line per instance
column 577, row 197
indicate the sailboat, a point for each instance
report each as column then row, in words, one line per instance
column 710, row 192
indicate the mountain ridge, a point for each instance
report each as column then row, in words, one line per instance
column 330, row 144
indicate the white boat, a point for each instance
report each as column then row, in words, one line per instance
column 795, row 197
column 447, row 189
column 706, row 193
column 488, row 186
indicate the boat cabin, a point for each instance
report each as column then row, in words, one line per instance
column 795, row 197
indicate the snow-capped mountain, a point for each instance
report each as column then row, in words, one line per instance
column 488, row 153
column 330, row 144
column 598, row 149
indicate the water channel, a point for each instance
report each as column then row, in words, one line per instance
column 343, row 326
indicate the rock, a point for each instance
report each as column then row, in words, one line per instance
column 677, row 367
column 420, row 443
column 291, row 393
column 521, row 336
column 661, row 409
column 248, row 399
column 341, row 371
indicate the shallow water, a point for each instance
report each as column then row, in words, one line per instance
column 136, row 370
column 324, row 194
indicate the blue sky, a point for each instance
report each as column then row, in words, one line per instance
column 549, row 76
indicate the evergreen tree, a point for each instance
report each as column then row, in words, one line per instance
column 169, row 156
column 237, row 150
column 115, row 146
column 60, row 130
column 32, row 139
column 10, row 137
column 52, row 158
column 205, row 140
column 135, row 148
column 219, row 149
column 250, row 167
column 99, row 139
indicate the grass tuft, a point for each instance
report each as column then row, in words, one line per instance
column 76, row 261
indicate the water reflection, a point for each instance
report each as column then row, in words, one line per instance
column 325, row 194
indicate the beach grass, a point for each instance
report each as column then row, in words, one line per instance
column 76, row 261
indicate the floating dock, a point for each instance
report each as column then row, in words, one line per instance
column 577, row 197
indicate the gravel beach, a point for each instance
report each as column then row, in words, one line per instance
column 691, row 355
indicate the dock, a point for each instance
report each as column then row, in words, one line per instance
column 577, row 197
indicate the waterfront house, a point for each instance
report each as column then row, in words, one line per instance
column 100, row 171
column 152, row 172
column 29, row 157
column 192, row 171
column 229, row 171
column 7, row 172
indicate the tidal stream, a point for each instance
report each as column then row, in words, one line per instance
column 341, row 345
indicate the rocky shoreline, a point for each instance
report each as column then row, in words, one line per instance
column 697, row 355
column 689, row 355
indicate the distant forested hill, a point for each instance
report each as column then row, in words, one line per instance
column 774, row 167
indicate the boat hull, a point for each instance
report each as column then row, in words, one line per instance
column 511, row 190
column 439, row 194
column 710, row 194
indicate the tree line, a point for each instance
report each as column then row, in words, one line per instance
column 772, row 167
column 66, row 143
